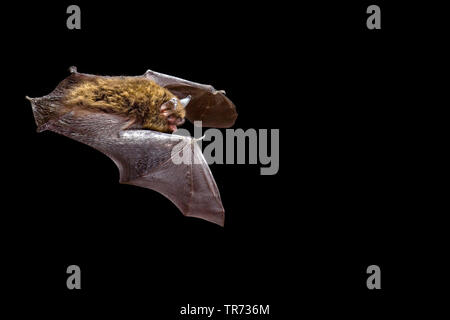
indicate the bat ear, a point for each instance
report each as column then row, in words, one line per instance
column 185, row 101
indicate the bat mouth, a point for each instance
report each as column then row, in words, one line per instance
column 174, row 122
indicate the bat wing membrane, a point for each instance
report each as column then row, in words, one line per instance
column 145, row 159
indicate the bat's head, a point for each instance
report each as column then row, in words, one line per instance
column 173, row 111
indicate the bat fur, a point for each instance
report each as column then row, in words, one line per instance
column 137, row 98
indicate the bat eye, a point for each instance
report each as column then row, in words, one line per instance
column 170, row 105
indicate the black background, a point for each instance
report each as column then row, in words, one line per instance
column 346, row 195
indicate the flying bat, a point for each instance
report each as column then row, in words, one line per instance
column 130, row 119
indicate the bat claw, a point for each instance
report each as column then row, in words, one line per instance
column 73, row 69
column 198, row 139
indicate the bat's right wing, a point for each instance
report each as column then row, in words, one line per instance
column 146, row 158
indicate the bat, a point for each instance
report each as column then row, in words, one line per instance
column 130, row 119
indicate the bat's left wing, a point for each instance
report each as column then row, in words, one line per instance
column 145, row 158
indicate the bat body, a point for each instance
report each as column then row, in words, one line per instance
column 129, row 119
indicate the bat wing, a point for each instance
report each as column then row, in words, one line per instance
column 207, row 104
column 145, row 158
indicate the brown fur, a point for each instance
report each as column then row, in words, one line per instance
column 137, row 98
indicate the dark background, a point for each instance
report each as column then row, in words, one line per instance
column 346, row 101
